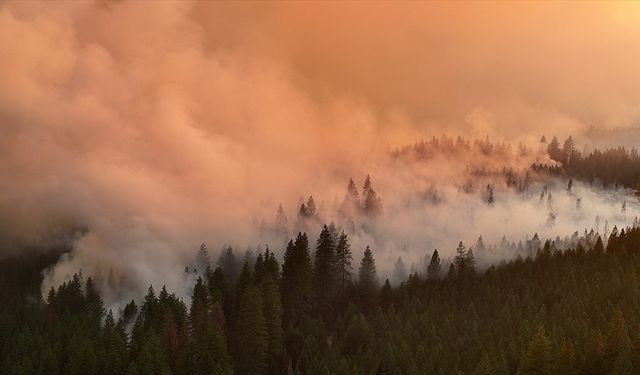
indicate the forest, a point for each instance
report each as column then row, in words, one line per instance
column 319, row 187
column 554, row 306
column 558, row 311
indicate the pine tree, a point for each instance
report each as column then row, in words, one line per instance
column 202, row 259
column 208, row 349
column 598, row 248
column 251, row 333
column 367, row 279
column 490, row 198
column 568, row 151
column 258, row 269
column 372, row 204
column 93, row 302
column 324, row 272
column 311, row 207
column 150, row 311
column 344, row 269
column 271, row 265
column 352, row 193
column 296, row 279
column 152, row 360
column 553, row 149
column 272, row 308
column 434, row 270
column 464, row 261
column 229, row 265
column 618, row 348
column 244, row 280
column 538, row 358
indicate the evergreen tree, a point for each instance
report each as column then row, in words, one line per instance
column 618, row 348
column 311, row 207
column 271, row 265
column 464, row 261
column 352, row 193
column 229, row 265
column 490, row 198
column 152, row 359
column 244, row 280
column 202, row 259
column 296, row 279
column 324, row 272
column 208, row 349
column 538, row 358
column 434, row 270
column 367, row 279
column 372, row 204
column 272, row 309
column 251, row 333
column 343, row 263
column 553, row 149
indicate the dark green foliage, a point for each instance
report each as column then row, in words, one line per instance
column 344, row 269
column 296, row 280
column 537, row 360
column 324, row 273
column 367, row 280
column 252, row 336
column 464, row 261
column 612, row 167
column 434, row 269
column 560, row 312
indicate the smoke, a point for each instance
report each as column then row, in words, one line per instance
column 159, row 127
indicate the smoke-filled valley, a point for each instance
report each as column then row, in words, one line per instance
column 314, row 188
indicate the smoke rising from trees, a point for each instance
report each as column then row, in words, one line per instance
column 145, row 131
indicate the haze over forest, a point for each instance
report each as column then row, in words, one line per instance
column 155, row 144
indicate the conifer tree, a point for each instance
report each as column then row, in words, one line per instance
column 538, row 358
column 367, row 279
column 490, row 198
column 271, row 265
column 244, row 280
column 296, row 279
column 202, row 259
column 208, row 349
column 272, row 308
column 434, row 269
column 344, row 269
column 371, row 202
column 324, row 272
column 553, row 149
column 229, row 265
column 352, row 193
column 464, row 261
column 251, row 333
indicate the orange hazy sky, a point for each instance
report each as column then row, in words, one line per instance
column 163, row 124
column 571, row 64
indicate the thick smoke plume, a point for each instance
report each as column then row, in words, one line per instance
column 155, row 128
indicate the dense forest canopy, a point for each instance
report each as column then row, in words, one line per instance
column 328, row 304
column 216, row 187
column 556, row 310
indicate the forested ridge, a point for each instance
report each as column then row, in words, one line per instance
column 613, row 167
column 558, row 311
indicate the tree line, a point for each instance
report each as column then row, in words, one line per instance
column 613, row 167
column 560, row 310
